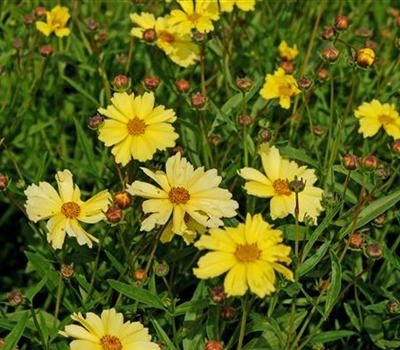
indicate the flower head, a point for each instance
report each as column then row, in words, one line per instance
column 56, row 21
column 279, row 172
column 374, row 115
column 186, row 194
column 365, row 57
column 287, row 53
column 107, row 332
column 244, row 5
column 177, row 46
column 197, row 15
column 280, row 85
column 136, row 129
column 65, row 209
column 251, row 253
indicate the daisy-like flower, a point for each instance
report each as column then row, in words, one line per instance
column 374, row 115
column 280, row 85
column 65, row 209
column 108, row 332
column 185, row 194
column 56, row 21
column 136, row 129
column 250, row 253
column 279, row 172
column 287, row 53
column 178, row 47
column 244, row 5
column 198, row 15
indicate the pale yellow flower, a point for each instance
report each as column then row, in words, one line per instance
column 280, row 85
column 274, row 184
column 198, row 15
column 374, row 115
column 107, row 332
column 250, row 253
column 184, row 194
column 136, row 128
column 179, row 47
column 65, row 209
column 244, row 5
column 56, row 21
column 287, row 53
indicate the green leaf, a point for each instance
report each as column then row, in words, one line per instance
column 353, row 318
column 115, row 262
column 86, row 146
column 80, row 89
column 336, row 283
column 162, row 335
column 12, row 339
column 373, row 326
column 37, row 287
column 392, row 258
column 191, row 306
column 310, row 263
column 138, row 294
column 328, row 336
column 298, row 154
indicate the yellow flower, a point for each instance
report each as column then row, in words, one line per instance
column 65, row 209
column 185, row 193
column 287, row 53
column 244, row 5
column 197, row 15
column 56, row 20
column 374, row 115
column 365, row 57
column 108, row 332
column 275, row 185
column 280, row 85
column 179, row 47
column 136, row 129
column 250, row 253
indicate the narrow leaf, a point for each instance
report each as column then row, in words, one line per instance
column 12, row 339
column 336, row 283
column 81, row 90
column 310, row 263
column 86, row 146
column 328, row 336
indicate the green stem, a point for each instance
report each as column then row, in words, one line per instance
column 243, row 321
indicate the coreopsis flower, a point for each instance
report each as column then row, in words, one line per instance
column 244, row 5
column 107, row 332
column 198, row 14
column 176, row 45
column 56, row 21
column 136, row 129
column 374, row 115
column 280, row 85
column 287, row 53
column 274, row 184
column 184, row 194
column 65, row 209
column 250, row 253
column 365, row 57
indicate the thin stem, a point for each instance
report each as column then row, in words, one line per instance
column 243, row 321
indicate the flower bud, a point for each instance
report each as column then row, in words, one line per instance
column 161, row 269
column 355, row 240
column 17, row 43
column 182, row 85
column 244, row 84
column 330, row 54
column 323, row 285
column 46, row 50
column 151, row 83
column 121, row 83
column 318, row 130
column 265, row 135
column 297, row 185
column 322, row 74
column 304, row 83
column 342, row 22
column 382, row 173
column 149, row 35
column 369, row 163
column 95, row 122
column 395, row 146
column 101, row 37
column 67, row 271
column 393, row 307
column 380, row 220
column 365, row 57
column 213, row 345
column 40, row 11
column 215, row 140
column 374, row 251
column 217, row 294
column 28, row 20
column 228, row 312
column 2, row 342
column 3, row 182
column 91, row 24
column 287, row 66
column 198, row 100
column 329, row 33
column 121, row 59
column 364, row 32
column 122, row 199
column 114, row 214
column 178, row 148
column 350, row 161
column 245, row 120
column 199, row 37
column 15, row 298
column 318, row 346
column 139, row 275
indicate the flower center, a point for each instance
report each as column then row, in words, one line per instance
column 281, row 188
column 385, row 119
column 136, row 126
column 179, row 195
column 247, row 252
column 166, row 36
column 71, row 210
column 194, row 17
column 285, row 89
column 110, row 342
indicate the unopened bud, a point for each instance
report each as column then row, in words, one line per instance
column 121, row 83
column 355, row 240
column 396, row 147
column 323, row 285
column 213, row 345
column 114, row 214
column 101, row 37
column 91, row 24
column 161, row 269
column 350, row 161
column 40, row 11
column 287, row 66
column 149, row 35
column 245, row 120
column 369, row 163
column 322, row 74
column 28, row 20
column 151, row 83
column 365, row 57
column 244, row 84
column 215, row 140
column 46, row 50
column 95, row 122
column 318, row 346
column 122, row 199
column 67, row 271
column 330, row 54
column 265, row 135
column 3, row 182
column 182, row 85
column 139, row 275
column 382, row 173
column 318, row 130
column 17, row 43
column 228, row 312
column 2, row 342
column 342, row 22
column 364, row 32
column 15, row 298
column 374, row 251
column 178, row 148
column 198, row 100
column 304, row 83
column 217, row 295
column 393, row 306
column 329, row 33
column 297, row 185
column 199, row 37
column 380, row 220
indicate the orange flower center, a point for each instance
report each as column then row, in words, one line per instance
column 285, row 89
column 110, row 342
column 248, row 252
column 71, row 210
column 194, row 17
column 385, row 119
column 166, row 36
column 179, row 195
column 281, row 188
column 136, row 126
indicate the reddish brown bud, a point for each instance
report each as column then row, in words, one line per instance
column 329, row 33
column 114, row 214
column 40, row 11
column 46, row 50
column 67, row 271
column 287, row 66
column 364, row 32
column 91, row 24
column 17, row 43
column 215, row 140
column 396, row 147
column 15, row 298
column 350, row 161
column 228, row 312
column 101, row 37
column 28, row 20
column 355, row 240
column 342, row 22
column 369, row 162
column 380, row 220
column 245, row 120
column 323, row 285
column 199, row 37
column 304, row 83
column 392, row 306
column 213, row 345
column 374, row 251
column 182, row 85
column 95, row 122
column 244, row 84
column 121, row 83
column 149, row 35
column 330, row 54
column 122, row 199
column 217, row 295
column 3, row 182
column 151, row 83
column 265, row 135
column 318, row 130
column 179, row 149
column 322, row 74
column 139, row 275
column 161, row 269
column 198, row 100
